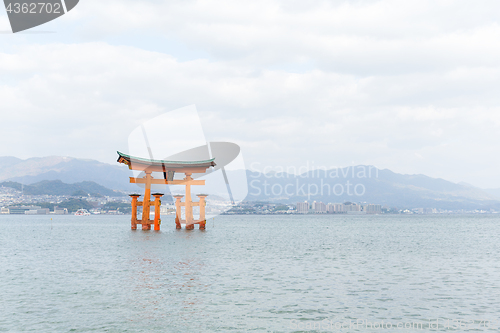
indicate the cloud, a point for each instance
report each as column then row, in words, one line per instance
column 411, row 86
column 363, row 37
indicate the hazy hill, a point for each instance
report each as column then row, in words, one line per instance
column 66, row 169
column 495, row 192
column 57, row 187
column 337, row 185
column 378, row 186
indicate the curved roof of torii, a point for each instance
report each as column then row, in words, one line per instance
column 138, row 163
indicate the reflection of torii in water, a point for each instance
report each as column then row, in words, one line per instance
column 168, row 168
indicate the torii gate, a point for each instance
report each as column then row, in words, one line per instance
column 168, row 168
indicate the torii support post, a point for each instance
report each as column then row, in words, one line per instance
column 134, row 210
column 146, row 203
column 157, row 204
column 178, row 211
column 203, row 220
column 188, row 203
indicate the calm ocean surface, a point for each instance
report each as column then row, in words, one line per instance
column 249, row 274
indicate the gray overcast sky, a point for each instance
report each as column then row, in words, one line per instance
column 412, row 86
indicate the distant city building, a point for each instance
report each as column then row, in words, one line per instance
column 336, row 208
column 303, row 207
column 430, row 211
column 114, row 212
column 352, row 208
column 319, row 207
column 372, row 209
column 4, row 210
column 40, row 211
column 21, row 210
column 330, row 208
column 33, row 210
column 60, row 211
column 167, row 208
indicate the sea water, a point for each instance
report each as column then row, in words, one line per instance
column 252, row 273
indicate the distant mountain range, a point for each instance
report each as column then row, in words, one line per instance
column 371, row 185
column 355, row 183
column 67, row 169
column 57, row 187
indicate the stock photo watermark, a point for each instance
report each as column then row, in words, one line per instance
column 26, row 14
column 365, row 324
column 309, row 181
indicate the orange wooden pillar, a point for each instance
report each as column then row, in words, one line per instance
column 202, row 204
column 134, row 210
column 146, row 203
column 188, row 203
column 157, row 204
column 178, row 211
